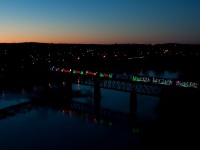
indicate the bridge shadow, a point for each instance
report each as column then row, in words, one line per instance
column 86, row 110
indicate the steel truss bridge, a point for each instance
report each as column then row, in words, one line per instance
column 120, row 85
column 143, row 88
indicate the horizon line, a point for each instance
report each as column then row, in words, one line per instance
column 100, row 43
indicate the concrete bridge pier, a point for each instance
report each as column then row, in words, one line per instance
column 97, row 99
column 133, row 109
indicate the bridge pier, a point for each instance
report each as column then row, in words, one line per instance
column 133, row 109
column 97, row 99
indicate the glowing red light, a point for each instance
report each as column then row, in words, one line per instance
column 105, row 75
column 90, row 73
column 77, row 71
column 67, row 71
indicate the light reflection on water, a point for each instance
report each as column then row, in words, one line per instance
column 9, row 98
column 14, row 96
column 119, row 101
column 44, row 128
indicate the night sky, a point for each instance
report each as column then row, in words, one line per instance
column 100, row 21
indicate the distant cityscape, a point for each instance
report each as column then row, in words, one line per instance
column 25, row 56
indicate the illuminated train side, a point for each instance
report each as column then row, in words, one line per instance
column 130, row 77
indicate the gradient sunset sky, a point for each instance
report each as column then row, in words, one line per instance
column 100, row 21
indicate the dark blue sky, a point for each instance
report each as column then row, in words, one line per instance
column 100, row 21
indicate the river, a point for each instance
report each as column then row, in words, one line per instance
column 43, row 127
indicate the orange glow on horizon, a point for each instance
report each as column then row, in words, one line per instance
column 67, row 40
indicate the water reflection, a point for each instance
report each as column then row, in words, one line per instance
column 58, row 131
column 8, row 98
column 54, row 124
column 51, row 127
column 120, row 101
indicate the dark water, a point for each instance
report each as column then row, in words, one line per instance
column 44, row 128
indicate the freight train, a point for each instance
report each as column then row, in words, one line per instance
column 129, row 77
